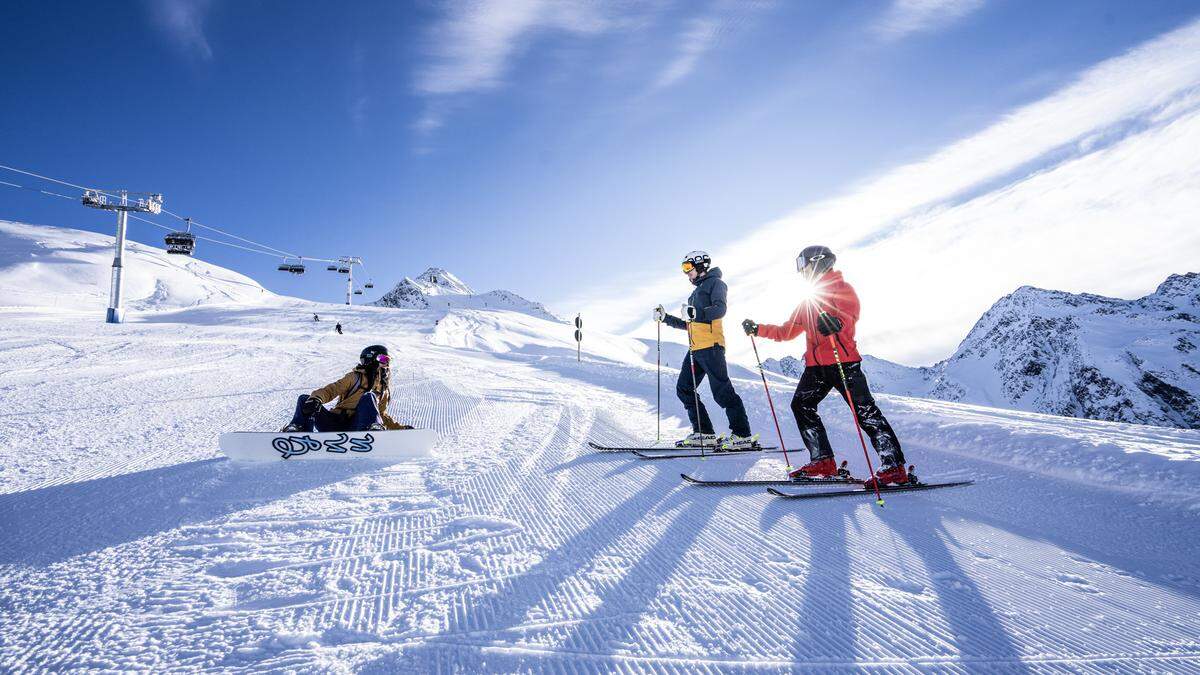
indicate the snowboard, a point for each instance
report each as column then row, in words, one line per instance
column 272, row 446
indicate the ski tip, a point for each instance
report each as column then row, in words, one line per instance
column 688, row 478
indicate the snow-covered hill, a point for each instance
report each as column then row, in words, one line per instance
column 436, row 288
column 1078, row 355
column 128, row 544
column 45, row 266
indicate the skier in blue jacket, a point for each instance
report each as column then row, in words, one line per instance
column 705, row 313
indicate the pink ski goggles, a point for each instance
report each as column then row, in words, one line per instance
column 383, row 358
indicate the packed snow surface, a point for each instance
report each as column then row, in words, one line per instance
column 128, row 543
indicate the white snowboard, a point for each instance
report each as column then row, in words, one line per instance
column 272, row 446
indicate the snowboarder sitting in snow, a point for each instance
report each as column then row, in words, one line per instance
column 706, row 349
column 828, row 318
column 362, row 399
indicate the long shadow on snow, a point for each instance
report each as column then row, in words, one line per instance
column 510, row 608
column 1117, row 529
column 55, row 523
column 824, row 628
column 626, row 601
column 977, row 630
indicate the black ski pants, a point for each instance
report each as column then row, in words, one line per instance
column 815, row 384
column 711, row 362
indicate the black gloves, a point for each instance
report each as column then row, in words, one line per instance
column 310, row 407
column 750, row 327
column 828, row 325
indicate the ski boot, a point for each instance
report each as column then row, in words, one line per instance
column 291, row 429
column 735, row 443
column 826, row 467
column 377, row 427
column 890, row 474
column 696, row 440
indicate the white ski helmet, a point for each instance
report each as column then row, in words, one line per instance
column 698, row 260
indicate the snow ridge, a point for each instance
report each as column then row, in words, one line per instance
column 435, row 286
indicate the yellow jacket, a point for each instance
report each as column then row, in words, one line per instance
column 349, row 390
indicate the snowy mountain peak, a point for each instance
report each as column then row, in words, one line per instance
column 437, row 281
column 436, row 288
column 1180, row 290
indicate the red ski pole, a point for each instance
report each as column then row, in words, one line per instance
column 854, row 413
column 772, row 404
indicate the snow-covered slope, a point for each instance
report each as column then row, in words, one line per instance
column 438, row 289
column 44, row 266
column 1078, row 355
column 128, row 544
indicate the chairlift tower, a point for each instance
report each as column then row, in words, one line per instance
column 345, row 265
column 142, row 202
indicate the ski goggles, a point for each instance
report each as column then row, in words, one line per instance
column 381, row 358
column 687, row 266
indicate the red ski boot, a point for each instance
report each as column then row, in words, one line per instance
column 818, row 468
column 888, row 475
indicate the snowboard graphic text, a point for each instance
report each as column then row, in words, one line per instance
column 291, row 446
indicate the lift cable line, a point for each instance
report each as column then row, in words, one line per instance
column 273, row 252
column 181, row 242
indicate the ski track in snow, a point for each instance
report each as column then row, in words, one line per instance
column 129, row 544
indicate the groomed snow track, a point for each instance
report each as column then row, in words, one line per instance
column 128, row 545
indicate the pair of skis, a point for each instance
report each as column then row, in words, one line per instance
column 843, row 477
column 680, row 452
column 772, row 485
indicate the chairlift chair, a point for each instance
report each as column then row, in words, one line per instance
column 332, row 268
column 343, row 270
column 357, row 292
column 180, row 243
column 369, row 284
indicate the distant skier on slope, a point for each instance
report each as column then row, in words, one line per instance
column 833, row 310
column 338, row 327
column 362, row 398
column 706, row 356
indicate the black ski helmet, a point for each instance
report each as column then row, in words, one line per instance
column 370, row 355
column 815, row 261
column 697, row 259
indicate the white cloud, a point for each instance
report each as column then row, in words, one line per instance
column 699, row 37
column 474, row 44
column 906, row 17
column 472, row 47
column 1091, row 188
column 183, row 23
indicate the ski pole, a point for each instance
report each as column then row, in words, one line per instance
column 854, row 413
column 762, row 374
column 658, row 360
column 695, row 387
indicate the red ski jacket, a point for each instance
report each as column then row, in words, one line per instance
column 834, row 296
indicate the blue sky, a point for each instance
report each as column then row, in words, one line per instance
column 565, row 150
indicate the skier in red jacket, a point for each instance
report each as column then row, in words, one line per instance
column 832, row 311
